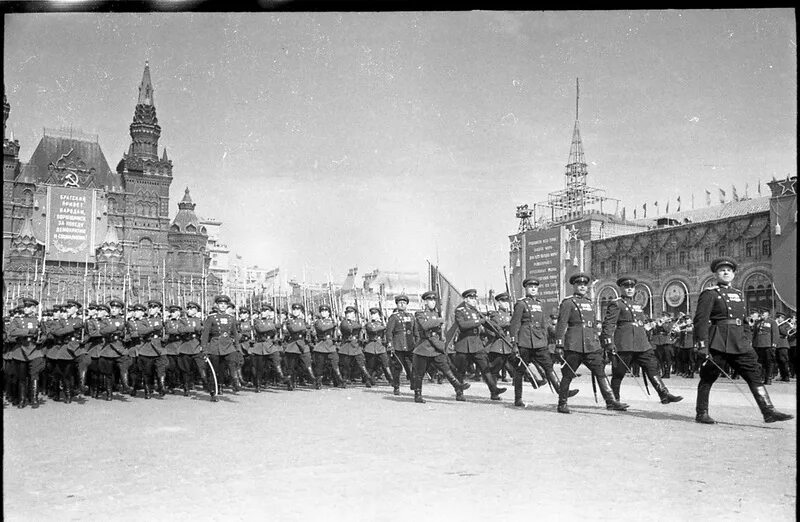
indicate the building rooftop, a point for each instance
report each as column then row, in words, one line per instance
column 726, row 210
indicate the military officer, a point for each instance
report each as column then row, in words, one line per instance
column 115, row 351
column 429, row 348
column 502, row 352
column 87, row 361
column 267, row 349
column 685, row 344
column 765, row 342
column 173, row 341
column 297, row 350
column 152, row 356
column 624, row 336
column 722, row 334
column 400, row 342
column 577, row 342
column 782, row 345
column 89, row 336
column 375, row 350
column 350, row 350
column 26, row 355
column 67, row 339
column 220, row 341
column 134, row 339
column 96, row 344
column 469, row 344
column 242, row 356
column 325, row 348
column 529, row 329
column 190, row 353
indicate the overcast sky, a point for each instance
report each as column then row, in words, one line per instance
column 378, row 140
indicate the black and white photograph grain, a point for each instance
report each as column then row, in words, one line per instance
column 348, row 263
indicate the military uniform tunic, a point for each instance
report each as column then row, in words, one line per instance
column 720, row 321
column 265, row 331
column 219, row 335
column 375, row 332
column 528, row 324
column 325, row 329
column 190, row 328
column 623, row 325
column 576, row 325
column 351, row 344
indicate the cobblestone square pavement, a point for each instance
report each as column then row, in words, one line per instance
column 364, row 454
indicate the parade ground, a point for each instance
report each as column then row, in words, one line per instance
column 363, row 454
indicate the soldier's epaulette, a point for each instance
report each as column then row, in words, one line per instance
column 713, row 287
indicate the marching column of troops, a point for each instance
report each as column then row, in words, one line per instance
column 108, row 350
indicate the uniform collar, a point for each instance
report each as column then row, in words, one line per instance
column 723, row 285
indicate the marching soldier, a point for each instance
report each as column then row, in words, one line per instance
column 242, row 356
column 577, row 342
column 722, row 334
column 220, row 341
column 133, row 327
column 429, row 349
column 174, row 339
column 782, row 348
column 325, row 348
column 115, row 352
column 765, row 341
column 502, row 351
column 400, row 342
column 26, row 356
column 350, row 350
column 82, row 357
column 67, row 340
column 297, row 350
column 529, row 330
column 190, row 353
column 266, row 350
column 87, row 361
column 152, row 357
column 469, row 345
column 625, row 338
column 375, row 350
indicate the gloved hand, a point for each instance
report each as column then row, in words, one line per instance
column 482, row 320
column 611, row 349
column 560, row 351
column 701, row 349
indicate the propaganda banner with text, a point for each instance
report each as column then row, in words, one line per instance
column 70, row 224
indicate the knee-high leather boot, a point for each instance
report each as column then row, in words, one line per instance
column 701, row 408
column 162, row 386
column 517, row 380
column 765, row 405
column 608, row 395
column 493, row 388
column 663, row 392
column 369, row 382
column 23, row 392
column 563, row 394
column 457, row 386
column 553, row 378
column 108, row 385
column 616, row 382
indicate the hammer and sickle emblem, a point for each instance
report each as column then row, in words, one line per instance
column 71, row 180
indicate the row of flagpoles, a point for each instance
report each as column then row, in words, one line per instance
column 641, row 212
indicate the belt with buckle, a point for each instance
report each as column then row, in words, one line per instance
column 224, row 334
column 737, row 321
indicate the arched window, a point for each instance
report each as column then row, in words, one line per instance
column 146, row 253
column 191, row 229
column 613, row 266
column 604, row 297
column 722, row 251
column 174, row 228
column 707, row 255
column 27, row 197
column 766, row 251
column 139, row 208
column 646, row 262
column 634, row 264
column 748, row 249
column 758, row 292
column 644, row 297
column 112, row 205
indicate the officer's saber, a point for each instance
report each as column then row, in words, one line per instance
column 402, row 368
column 711, row 360
column 521, row 362
column 543, row 374
column 629, row 371
column 213, row 374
